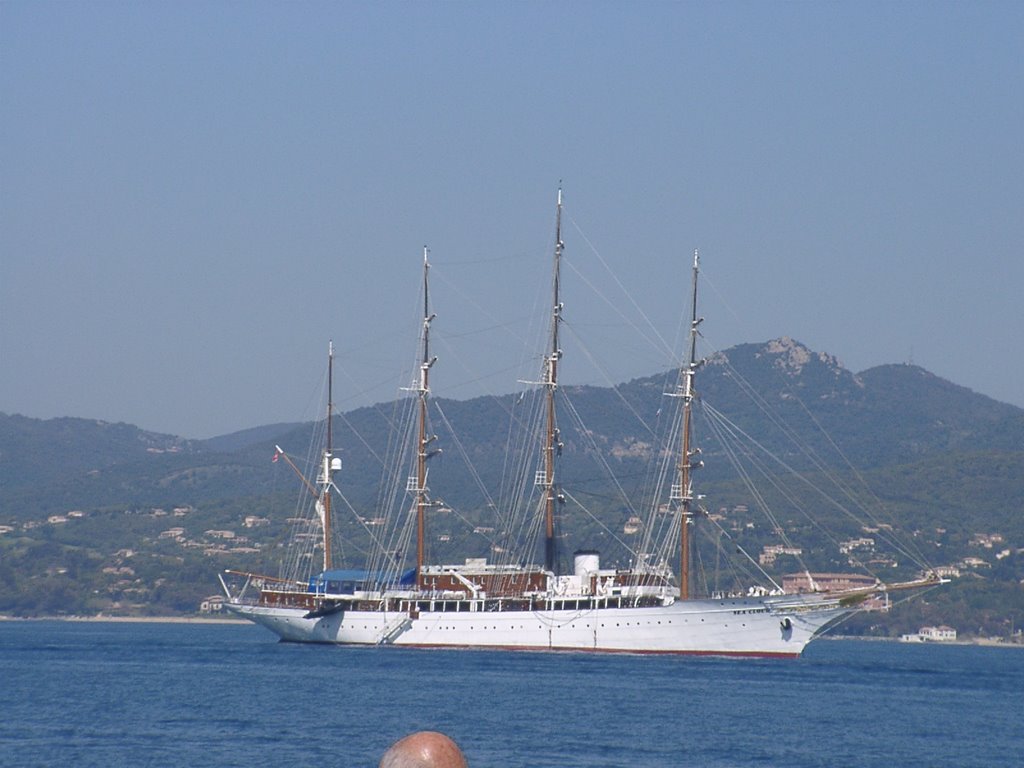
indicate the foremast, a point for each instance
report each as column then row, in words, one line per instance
column 688, row 456
column 419, row 483
column 329, row 465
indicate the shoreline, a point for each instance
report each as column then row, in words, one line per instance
column 981, row 641
column 988, row 642
column 132, row 619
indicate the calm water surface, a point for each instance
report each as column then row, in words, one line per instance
column 99, row 694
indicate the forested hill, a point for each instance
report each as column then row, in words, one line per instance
column 891, row 414
column 77, row 494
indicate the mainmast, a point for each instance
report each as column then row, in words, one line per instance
column 551, row 443
column 688, row 456
column 422, row 454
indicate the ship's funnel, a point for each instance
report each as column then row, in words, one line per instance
column 587, row 563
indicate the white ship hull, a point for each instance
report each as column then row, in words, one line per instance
column 740, row 626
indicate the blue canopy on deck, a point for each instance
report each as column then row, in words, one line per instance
column 350, row 579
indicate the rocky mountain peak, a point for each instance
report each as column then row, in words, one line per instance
column 785, row 354
column 792, row 357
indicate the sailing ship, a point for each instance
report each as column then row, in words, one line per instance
column 645, row 608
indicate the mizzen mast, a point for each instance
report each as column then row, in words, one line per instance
column 552, row 445
column 688, row 460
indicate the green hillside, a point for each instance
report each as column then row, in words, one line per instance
column 106, row 517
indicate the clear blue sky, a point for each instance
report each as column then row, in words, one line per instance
column 195, row 197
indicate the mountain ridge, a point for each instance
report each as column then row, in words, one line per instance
column 882, row 415
column 86, row 506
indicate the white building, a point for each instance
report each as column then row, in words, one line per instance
column 941, row 634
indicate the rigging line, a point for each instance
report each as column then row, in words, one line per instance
column 721, row 428
column 499, row 323
column 664, row 349
column 362, row 440
column 600, row 258
column 404, row 535
column 783, row 491
column 397, row 428
column 530, row 430
column 519, row 506
column 510, row 438
column 400, row 439
column 488, row 329
column 702, row 573
column 465, row 456
column 658, row 474
column 588, row 436
column 774, row 417
column 450, row 349
column 522, row 435
column 474, row 526
column 819, row 463
column 594, row 494
column 773, row 481
column 746, row 478
column 816, row 461
column 798, row 506
column 744, row 552
column 301, row 524
column 316, row 397
column 362, row 388
column 705, row 278
column 806, row 481
column 304, row 521
column 607, row 378
column 492, row 260
column 600, row 523
column 377, row 407
column 920, row 558
column 757, row 399
column 719, row 551
column 756, row 492
column 893, row 604
column 468, row 522
column 394, row 518
column 668, row 542
column 737, row 430
column 362, row 521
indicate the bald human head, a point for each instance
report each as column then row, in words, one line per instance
column 426, row 749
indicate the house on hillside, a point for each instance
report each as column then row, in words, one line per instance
column 941, row 634
column 771, row 553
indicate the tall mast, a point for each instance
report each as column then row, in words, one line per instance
column 551, row 443
column 328, row 458
column 423, row 442
column 687, row 455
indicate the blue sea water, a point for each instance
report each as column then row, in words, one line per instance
column 115, row 694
